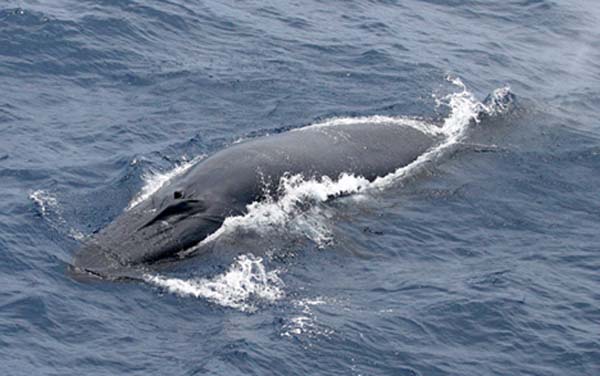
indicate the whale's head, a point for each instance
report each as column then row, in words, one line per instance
column 145, row 235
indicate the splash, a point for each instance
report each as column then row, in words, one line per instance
column 244, row 285
column 464, row 109
column 50, row 210
column 295, row 210
column 153, row 181
column 43, row 200
column 305, row 322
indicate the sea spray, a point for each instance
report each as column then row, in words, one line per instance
column 245, row 284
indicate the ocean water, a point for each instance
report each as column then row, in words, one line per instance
column 481, row 258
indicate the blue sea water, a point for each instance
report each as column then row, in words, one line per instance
column 485, row 260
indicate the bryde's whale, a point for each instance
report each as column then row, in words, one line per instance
column 194, row 205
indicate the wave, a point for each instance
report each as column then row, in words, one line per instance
column 305, row 322
column 243, row 286
column 43, row 200
column 50, row 210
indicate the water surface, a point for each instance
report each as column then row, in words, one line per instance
column 481, row 261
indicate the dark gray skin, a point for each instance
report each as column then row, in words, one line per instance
column 194, row 205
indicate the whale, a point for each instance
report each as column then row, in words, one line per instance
column 192, row 206
column 174, row 221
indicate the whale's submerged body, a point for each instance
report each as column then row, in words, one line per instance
column 194, row 205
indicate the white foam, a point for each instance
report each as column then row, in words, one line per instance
column 464, row 109
column 294, row 209
column 305, row 322
column 52, row 213
column 153, row 180
column 499, row 101
column 44, row 200
column 245, row 281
